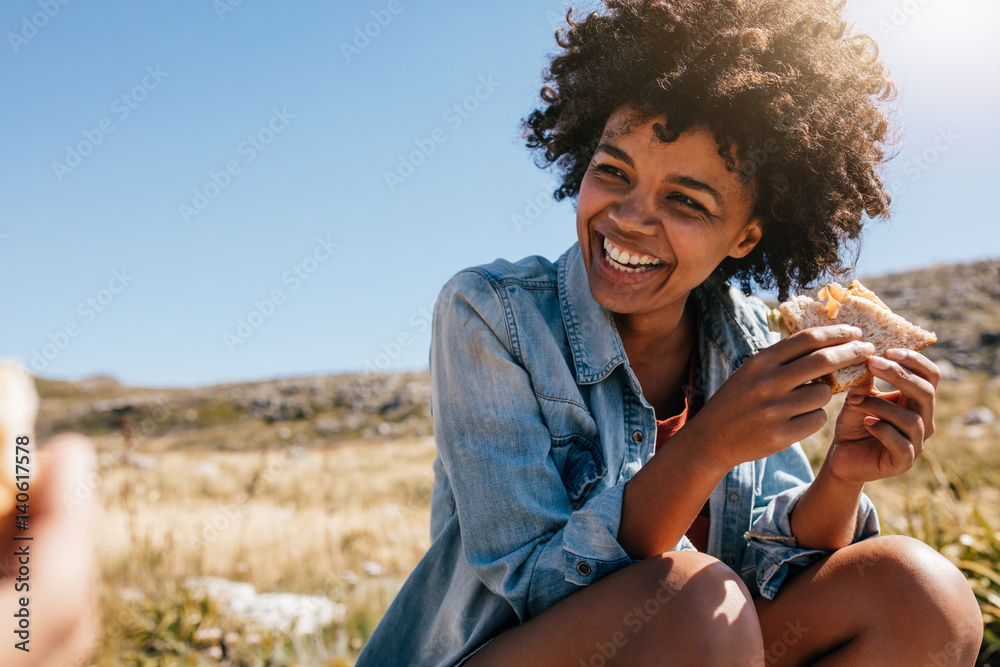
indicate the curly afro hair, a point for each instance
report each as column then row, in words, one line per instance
column 783, row 84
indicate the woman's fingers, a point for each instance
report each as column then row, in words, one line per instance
column 809, row 397
column 917, row 363
column 912, row 385
column 907, row 424
column 802, row 426
column 826, row 360
column 809, row 340
column 902, row 452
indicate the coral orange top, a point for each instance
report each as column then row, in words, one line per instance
column 666, row 428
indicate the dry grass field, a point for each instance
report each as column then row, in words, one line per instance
column 349, row 521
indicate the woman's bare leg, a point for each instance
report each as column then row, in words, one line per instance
column 679, row 608
column 884, row 601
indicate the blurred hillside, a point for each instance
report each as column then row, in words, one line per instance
column 961, row 303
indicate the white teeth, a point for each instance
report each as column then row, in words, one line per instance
column 626, row 258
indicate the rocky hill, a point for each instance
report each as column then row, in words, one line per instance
column 961, row 303
column 240, row 415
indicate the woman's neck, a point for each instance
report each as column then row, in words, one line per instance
column 653, row 338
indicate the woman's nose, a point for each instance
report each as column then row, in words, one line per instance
column 631, row 212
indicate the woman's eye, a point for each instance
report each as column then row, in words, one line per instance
column 688, row 202
column 608, row 169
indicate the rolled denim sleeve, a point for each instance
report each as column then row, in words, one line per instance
column 772, row 551
column 520, row 533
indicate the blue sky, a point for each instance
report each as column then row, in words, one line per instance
column 171, row 169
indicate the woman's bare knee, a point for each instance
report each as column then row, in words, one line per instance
column 937, row 603
column 718, row 624
column 684, row 607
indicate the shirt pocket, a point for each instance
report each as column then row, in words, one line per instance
column 580, row 464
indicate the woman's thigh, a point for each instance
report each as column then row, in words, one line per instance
column 884, row 601
column 679, row 608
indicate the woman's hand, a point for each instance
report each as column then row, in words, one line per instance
column 767, row 405
column 880, row 434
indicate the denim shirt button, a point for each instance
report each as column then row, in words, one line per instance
column 637, row 437
column 583, row 568
column 734, row 497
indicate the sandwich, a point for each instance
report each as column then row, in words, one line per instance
column 855, row 305
column 18, row 407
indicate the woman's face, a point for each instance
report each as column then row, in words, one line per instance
column 674, row 209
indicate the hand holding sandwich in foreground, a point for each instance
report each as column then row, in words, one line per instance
column 53, row 575
column 63, row 571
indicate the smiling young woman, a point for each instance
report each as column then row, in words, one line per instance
column 619, row 479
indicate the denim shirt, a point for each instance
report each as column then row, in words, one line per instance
column 539, row 423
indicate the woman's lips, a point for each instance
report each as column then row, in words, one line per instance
column 607, row 268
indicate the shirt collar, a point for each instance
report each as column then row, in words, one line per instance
column 593, row 337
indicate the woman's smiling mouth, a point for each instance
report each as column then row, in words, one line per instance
column 623, row 261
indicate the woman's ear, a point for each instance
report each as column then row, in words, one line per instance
column 748, row 239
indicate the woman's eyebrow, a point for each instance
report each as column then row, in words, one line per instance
column 695, row 184
column 616, row 153
column 677, row 179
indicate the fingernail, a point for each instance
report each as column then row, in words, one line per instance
column 880, row 363
column 855, row 399
column 871, row 421
column 868, row 348
column 895, row 354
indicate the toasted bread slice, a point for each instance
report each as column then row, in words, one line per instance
column 18, row 407
column 857, row 306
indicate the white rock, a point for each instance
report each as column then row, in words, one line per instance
column 270, row 612
column 948, row 371
column 207, row 469
column 976, row 431
column 980, row 415
column 141, row 461
column 372, row 568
